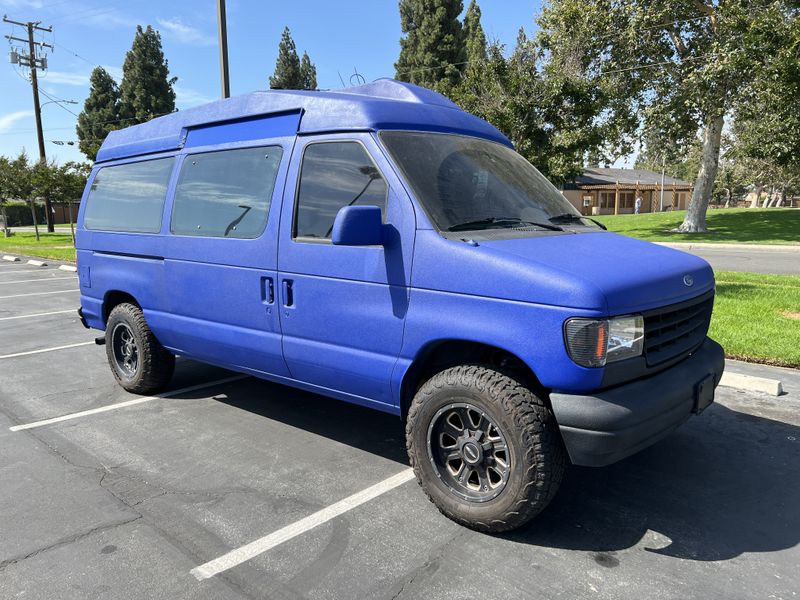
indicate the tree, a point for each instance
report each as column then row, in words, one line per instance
column 676, row 66
column 308, row 73
column 474, row 37
column 287, row 75
column 552, row 120
column 16, row 182
column 100, row 114
column 766, row 127
column 6, row 183
column 432, row 50
column 147, row 90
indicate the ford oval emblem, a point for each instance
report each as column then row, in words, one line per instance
column 688, row 280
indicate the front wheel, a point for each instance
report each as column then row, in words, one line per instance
column 485, row 449
column 139, row 362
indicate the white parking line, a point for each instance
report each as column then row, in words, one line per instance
column 29, row 352
column 16, row 270
column 261, row 545
column 38, row 294
column 47, row 314
column 35, row 280
column 133, row 402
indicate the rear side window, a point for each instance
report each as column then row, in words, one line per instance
column 335, row 175
column 129, row 197
column 226, row 193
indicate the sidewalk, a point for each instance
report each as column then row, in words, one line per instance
column 728, row 246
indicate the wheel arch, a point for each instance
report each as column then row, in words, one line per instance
column 113, row 298
column 442, row 354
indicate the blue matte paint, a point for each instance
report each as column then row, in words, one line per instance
column 384, row 104
column 357, row 226
column 359, row 316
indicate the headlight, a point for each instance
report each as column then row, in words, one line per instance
column 597, row 342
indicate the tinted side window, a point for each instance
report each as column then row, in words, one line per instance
column 226, row 193
column 334, row 175
column 129, row 197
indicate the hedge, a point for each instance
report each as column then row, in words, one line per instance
column 19, row 214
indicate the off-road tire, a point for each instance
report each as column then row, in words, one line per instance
column 155, row 363
column 529, row 427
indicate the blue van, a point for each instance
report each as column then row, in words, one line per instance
column 378, row 245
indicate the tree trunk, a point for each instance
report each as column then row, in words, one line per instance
column 782, row 198
column 727, row 197
column 757, row 196
column 5, row 220
column 71, row 226
column 35, row 222
column 695, row 219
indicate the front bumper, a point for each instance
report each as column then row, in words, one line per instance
column 608, row 426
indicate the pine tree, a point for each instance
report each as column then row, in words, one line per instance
column 288, row 74
column 308, row 73
column 474, row 37
column 432, row 50
column 100, row 113
column 146, row 90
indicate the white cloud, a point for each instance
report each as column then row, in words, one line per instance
column 65, row 78
column 35, row 4
column 185, row 34
column 187, row 97
column 9, row 119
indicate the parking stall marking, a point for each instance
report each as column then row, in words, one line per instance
column 261, row 545
column 134, row 402
column 44, row 314
column 37, row 294
column 35, row 280
column 29, row 352
column 18, row 270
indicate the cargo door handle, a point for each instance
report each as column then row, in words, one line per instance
column 288, row 292
column 267, row 290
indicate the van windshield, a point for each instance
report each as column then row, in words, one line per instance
column 467, row 184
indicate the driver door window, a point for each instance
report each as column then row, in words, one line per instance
column 335, row 175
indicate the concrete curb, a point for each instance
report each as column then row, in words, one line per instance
column 37, row 263
column 10, row 258
column 749, row 247
column 773, row 387
column 69, row 268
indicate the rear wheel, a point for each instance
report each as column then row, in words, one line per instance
column 139, row 362
column 484, row 447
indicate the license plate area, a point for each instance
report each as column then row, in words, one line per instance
column 703, row 394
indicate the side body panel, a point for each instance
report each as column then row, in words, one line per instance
column 343, row 326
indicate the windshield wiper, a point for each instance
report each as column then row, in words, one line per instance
column 488, row 221
column 572, row 218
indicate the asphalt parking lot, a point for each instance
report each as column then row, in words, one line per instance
column 231, row 487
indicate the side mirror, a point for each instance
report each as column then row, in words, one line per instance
column 358, row 226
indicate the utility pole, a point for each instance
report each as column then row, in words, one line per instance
column 31, row 61
column 222, row 26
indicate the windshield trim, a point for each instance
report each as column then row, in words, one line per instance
column 409, row 186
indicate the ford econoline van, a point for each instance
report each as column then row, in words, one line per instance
column 380, row 246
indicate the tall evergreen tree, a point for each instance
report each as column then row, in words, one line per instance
column 288, row 75
column 100, row 113
column 474, row 37
column 308, row 73
column 432, row 49
column 147, row 90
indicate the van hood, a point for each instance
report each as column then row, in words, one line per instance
column 632, row 274
column 602, row 272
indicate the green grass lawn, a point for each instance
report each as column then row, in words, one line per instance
column 757, row 317
column 57, row 246
column 732, row 225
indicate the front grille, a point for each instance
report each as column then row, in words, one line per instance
column 674, row 331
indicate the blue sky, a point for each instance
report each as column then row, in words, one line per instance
column 339, row 36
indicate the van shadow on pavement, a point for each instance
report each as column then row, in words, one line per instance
column 723, row 484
